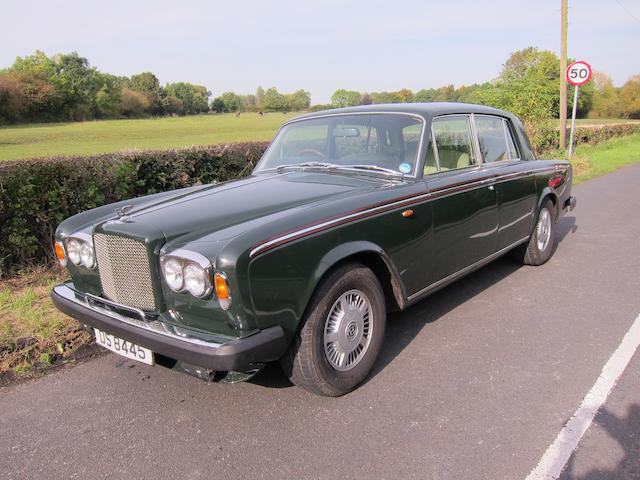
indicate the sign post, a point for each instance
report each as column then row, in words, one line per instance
column 577, row 74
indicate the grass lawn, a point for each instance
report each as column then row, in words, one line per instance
column 606, row 157
column 83, row 138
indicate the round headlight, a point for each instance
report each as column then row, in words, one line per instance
column 195, row 279
column 73, row 251
column 86, row 255
column 173, row 275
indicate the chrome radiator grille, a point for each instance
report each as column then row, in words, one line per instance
column 124, row 271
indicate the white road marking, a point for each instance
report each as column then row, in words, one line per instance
column 558, row 454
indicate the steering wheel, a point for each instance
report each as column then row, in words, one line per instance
column 312, row 151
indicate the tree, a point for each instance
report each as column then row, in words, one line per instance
column 148, row 85
column 383, row 97
column 133, row 103
column 12, row 101
column 194, row 98
column 273, row 100
column 345, row 98
column 425, row 95
column 403, row 96
column 260, row 98
column 630, row 97
column 366, row 99
column 298, row 100
column 232, row 102
column 606, row 101
column 217, row 105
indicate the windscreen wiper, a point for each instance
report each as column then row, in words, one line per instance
column 303, row 165
column 373, row 168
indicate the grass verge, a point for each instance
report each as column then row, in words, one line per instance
column 592, row 161
column 34, row 335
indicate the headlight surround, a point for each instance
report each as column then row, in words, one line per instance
column 80, row 250
column 187, row 271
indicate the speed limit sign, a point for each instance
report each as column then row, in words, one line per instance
column 578, row 73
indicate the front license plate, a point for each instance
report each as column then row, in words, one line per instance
column 124, row 347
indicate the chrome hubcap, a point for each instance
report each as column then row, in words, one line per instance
column 347, row 330
column 543, row 229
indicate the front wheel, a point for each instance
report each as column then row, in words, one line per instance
column 540, row 246
column 341, row 334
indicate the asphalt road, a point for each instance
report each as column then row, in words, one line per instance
column 474, row 382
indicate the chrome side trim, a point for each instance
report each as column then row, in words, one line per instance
column 442, row 282
column 92, row 302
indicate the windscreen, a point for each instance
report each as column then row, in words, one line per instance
column 386, row 142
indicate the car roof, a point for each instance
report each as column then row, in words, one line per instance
column 425, row 110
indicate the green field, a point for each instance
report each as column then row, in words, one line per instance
column 83, row 138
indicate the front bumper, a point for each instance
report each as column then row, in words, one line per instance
column 130, row 324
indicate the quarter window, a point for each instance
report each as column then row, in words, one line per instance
column 453, row 142
column 494, row 137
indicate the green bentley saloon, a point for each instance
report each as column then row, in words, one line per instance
column 350, row 214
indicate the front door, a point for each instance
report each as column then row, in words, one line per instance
column 465, row 202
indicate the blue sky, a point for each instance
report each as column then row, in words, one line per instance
column 321, row 45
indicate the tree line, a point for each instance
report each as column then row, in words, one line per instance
column 66, row 87
column 63, row 87
column 527, row 86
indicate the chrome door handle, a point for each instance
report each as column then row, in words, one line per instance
column 491, row 187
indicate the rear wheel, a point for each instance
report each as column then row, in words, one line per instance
column 341, row 334
column 540, row 246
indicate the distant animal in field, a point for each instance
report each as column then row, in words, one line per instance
column 237, row 114
column 260, row 113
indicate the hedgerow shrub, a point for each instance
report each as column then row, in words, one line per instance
column 544, row 135
column 36, row 195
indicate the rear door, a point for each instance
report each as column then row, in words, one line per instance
column 465, row 205
column 514, row 181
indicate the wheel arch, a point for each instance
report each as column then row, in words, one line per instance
column 548, row 192
column 373, row 257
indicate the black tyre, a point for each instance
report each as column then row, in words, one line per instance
column 540, row 246
column 341, row 334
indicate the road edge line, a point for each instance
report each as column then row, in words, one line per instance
column 557, row 455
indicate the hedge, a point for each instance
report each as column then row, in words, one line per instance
column 36, row 195
column 544, row 136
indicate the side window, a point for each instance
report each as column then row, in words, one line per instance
column 453, row 141
column 513, row 151
column 492, row 138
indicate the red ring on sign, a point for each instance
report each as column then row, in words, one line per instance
column 582, row 82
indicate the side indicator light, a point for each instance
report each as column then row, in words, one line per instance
column 60, row 255
column 407, row 213
column 222, row 290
